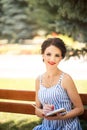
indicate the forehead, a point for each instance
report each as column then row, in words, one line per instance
column 52, row 49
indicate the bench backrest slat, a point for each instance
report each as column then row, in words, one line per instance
column 17, row 94
column 20, row 101
column 17, row 108
column 84, row 98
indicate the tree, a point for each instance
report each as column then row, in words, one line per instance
column 63, row 16
column 22, row 18
column 15, row 20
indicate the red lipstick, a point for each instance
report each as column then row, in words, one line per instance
column 51, row 62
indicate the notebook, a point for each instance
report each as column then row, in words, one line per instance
column 62, row 111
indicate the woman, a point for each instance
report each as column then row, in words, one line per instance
column 56, row 89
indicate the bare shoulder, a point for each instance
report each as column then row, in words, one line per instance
column 37, row 79
column 68, row 82
column 37, row 82
column 67, row 76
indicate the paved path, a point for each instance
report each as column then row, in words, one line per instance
column 26, row 66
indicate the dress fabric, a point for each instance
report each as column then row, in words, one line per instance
column 57, row 96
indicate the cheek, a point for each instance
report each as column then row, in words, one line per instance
column 45, row 58
column 58, row 60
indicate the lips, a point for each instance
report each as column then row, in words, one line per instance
column 51, row 62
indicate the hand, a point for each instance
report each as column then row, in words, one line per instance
column 47, row 108
column 58, row 116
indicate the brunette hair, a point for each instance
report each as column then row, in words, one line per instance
column 57, row 42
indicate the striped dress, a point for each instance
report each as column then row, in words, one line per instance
column 57, row 96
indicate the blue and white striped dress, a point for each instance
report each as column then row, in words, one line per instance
column 57, row 96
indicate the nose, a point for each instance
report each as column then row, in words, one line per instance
column 52, row 58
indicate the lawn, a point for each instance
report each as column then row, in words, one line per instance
column 17, row 83
column 29, row 84
column 13, row 121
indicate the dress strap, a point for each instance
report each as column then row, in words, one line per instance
column 40, row 78
column 61, row 77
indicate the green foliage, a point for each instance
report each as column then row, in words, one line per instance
column 71, row 52
column 15, row 21
column 22, row 18
column 65, row 16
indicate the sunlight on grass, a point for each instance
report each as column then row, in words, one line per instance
column 19, row 83
column 29, row 84
column 81, row 86
column 11, row 121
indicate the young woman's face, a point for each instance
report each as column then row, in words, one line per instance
column 52, row 56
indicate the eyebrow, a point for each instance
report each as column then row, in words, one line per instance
column 49, row 53
column 58, row 55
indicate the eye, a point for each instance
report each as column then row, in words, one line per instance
column 48, row 54
column 57, row 55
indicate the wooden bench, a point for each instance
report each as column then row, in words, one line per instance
column 19, row 101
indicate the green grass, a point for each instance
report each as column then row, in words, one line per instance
column 19, row 83
column 18, row 121
column 29, row 84
column 12, row 121
column 81, row 86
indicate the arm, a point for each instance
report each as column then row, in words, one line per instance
column 39, row 111
column 70, row 87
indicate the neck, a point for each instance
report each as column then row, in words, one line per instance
column 53, row 72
